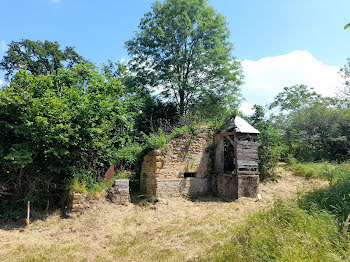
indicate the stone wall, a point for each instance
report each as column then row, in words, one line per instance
column 177, row 187
column 231, row 186
column 224, row 186
column 247, row 185
column 182, row 168
column 163, row 170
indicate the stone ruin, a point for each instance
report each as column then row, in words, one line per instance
column 180, row 168
column 118, row 194
column 223, row 165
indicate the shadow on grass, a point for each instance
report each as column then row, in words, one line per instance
column 209, row 199
column 143, row 200
column 16, row 219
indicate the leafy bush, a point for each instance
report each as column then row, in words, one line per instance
column 271, row 150
column 59, row 128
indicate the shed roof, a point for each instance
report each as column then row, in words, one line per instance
column 239, row 125
column 242, row 126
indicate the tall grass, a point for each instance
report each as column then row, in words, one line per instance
column 322, row 170
column 335, row 198
column 308, row 229
column 284, row 233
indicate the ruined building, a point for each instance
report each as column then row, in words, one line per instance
column 204, row 163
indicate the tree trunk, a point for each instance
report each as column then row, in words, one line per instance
column 182, row 101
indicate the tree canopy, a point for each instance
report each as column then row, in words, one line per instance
column 182, row 51
column 37, row 57
column 49, row 139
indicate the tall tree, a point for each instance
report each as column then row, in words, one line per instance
column 182, row 50
column 39, row 58
column 295, row 97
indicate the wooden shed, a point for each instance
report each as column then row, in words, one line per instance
column 236, row 160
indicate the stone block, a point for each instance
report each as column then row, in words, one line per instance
column 121, row 182
column 157, row 152
column 159, row 164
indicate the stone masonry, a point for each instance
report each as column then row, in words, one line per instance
column 118, row 194
column 179, row 169
column 185, row 168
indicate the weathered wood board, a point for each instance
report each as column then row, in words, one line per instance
column 219, row 154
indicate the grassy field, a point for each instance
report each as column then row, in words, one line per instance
column 170, row 230
column 321, row 170
column 284, row 233
column 309, row 228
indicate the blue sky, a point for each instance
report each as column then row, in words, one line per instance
column 267, row 35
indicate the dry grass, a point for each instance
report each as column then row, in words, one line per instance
column 170, row 230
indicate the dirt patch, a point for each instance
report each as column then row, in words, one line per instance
column 170, row 230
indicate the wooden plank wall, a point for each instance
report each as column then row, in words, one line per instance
column 246, row 154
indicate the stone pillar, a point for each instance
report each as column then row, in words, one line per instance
column 152, row 169
column 78, row 202
column 247, row 185
column 119, row 193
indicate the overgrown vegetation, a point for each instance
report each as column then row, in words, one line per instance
column 322, row 170
column 335, row 198
column 64, row 120
column 52, row 136
column 300, row 125
column 312, row 228
column 284, row 233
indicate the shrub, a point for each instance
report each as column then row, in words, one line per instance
column 59, row 128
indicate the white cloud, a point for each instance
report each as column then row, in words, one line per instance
column 3, row 46
column 56, row 1
column 266, row 77
column 246, row 109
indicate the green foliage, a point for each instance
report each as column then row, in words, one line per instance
column 58, row 128
column 258, row 116
column 294, row 97
column 335, row 199
column 322, row 170
column 182, row 47
column 38, row 58
column 94, row 187
column 313, row 128
column 159, row 140
column 155, row 114
column 284, row 233
column 271, row 150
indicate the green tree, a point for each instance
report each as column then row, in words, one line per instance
column 37, row 57
column 311, row 126
column 48, row 139
column 294, row 97
column 151, row 113
column 182, row 50
column 258, row 116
